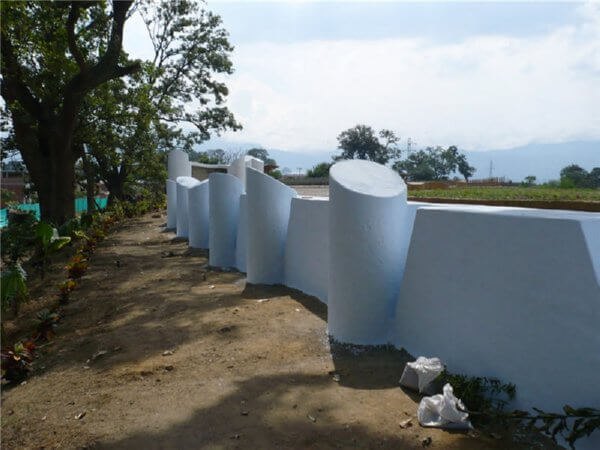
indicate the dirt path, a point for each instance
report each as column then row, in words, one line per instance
column 251, row 365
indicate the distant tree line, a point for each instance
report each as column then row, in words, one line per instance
column 431, row 163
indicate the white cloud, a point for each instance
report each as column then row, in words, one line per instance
column 483, row 92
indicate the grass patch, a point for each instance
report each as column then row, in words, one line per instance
column 539, row 193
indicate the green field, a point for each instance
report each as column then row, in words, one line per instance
column 540, row 193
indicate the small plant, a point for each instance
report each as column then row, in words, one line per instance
column 13, row 288
column 17, row 237
column 16, row 363
column 48, row 320
column 47, row 242
column 486, row 398
column 65, row 288
column 77, row 267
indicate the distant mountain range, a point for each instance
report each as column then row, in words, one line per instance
column 542, row 160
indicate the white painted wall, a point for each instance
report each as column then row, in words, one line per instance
column 224, row 204
column 269, row 204
column 183, row 184
column 241, row 242
column 366, row 217
column 238, row 167
column 171, row 204
column 198, row 215
column 307, row 246
column 509, row 293
column 178, row 165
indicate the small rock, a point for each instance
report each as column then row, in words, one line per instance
column 86, row 367
column 44, row 418
column 71, row 403
column 169, row 368
column 406, row 423
column 336, row 377
column 244, row 413
column 98, row 354
column 117, row 348
column 297, row 309
column 262, row 300
column 80, row 416
column 426, row 442
column 10, row 412
column 225, row 330
column 212, row 286
column 235, row 436
column 168, row 352
column 23, row 383
column 311, row 418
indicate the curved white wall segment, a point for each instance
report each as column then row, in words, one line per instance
column 242, row 232
column 367, row 206
column 268, row 215
column 307, row 246
column 238, row 167
column 178, row 165
column 509, row 293
column 171, row 204
column 198, row 215
column 183, row 184
column 224, row 204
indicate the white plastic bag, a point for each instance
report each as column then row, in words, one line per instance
column 419, row 374
column 444, row 411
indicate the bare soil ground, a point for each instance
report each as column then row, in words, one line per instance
column 195, row 358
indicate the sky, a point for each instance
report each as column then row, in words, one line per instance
column 477, row 75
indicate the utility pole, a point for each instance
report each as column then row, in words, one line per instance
column 491, row 169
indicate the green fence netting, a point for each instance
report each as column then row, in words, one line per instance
column 80, row 206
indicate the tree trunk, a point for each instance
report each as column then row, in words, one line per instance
column 115, row 184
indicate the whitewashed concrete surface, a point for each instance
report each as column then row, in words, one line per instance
column 367, row 210
column 171, row 204
column 269, row 204
column 507, row 292
column 238, row 167
column 198, row 215
column 241, row 242
column 224, row 199
column 307, row 247
column 183, row 184
column 178, row 165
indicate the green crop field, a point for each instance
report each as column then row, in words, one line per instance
column 539, row 193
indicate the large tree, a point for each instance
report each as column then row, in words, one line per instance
column 434, row 163
column 175, row 101
column 361, row 142
column 53, row 55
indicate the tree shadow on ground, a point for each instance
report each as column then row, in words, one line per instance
column 245, row 418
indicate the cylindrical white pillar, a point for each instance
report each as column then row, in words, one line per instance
column 242, row 232
column 198, row 215
column 183, row 184
column 171, row 204
column 178, row 165
column 307, row 247
column 224, row 204
column 367, row 204
column 268, row 215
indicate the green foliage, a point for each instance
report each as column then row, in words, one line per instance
column 77, row 267
column 263, row 155
column 361, row 142
column 575, row 176
column 321, row 170
column 539, row 193
column 16, row 363
column 487, row 398
column 276, row 174
column 17, row 237
column 47, row 324
column 13, row 289
column 47, row 242
column 529, row 180
column 65, row 288
column 483, row 395
column 434, row 164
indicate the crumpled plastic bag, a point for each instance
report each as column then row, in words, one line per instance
column 418, row 375
column 443, row 411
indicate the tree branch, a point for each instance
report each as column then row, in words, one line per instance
column 73, row 48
